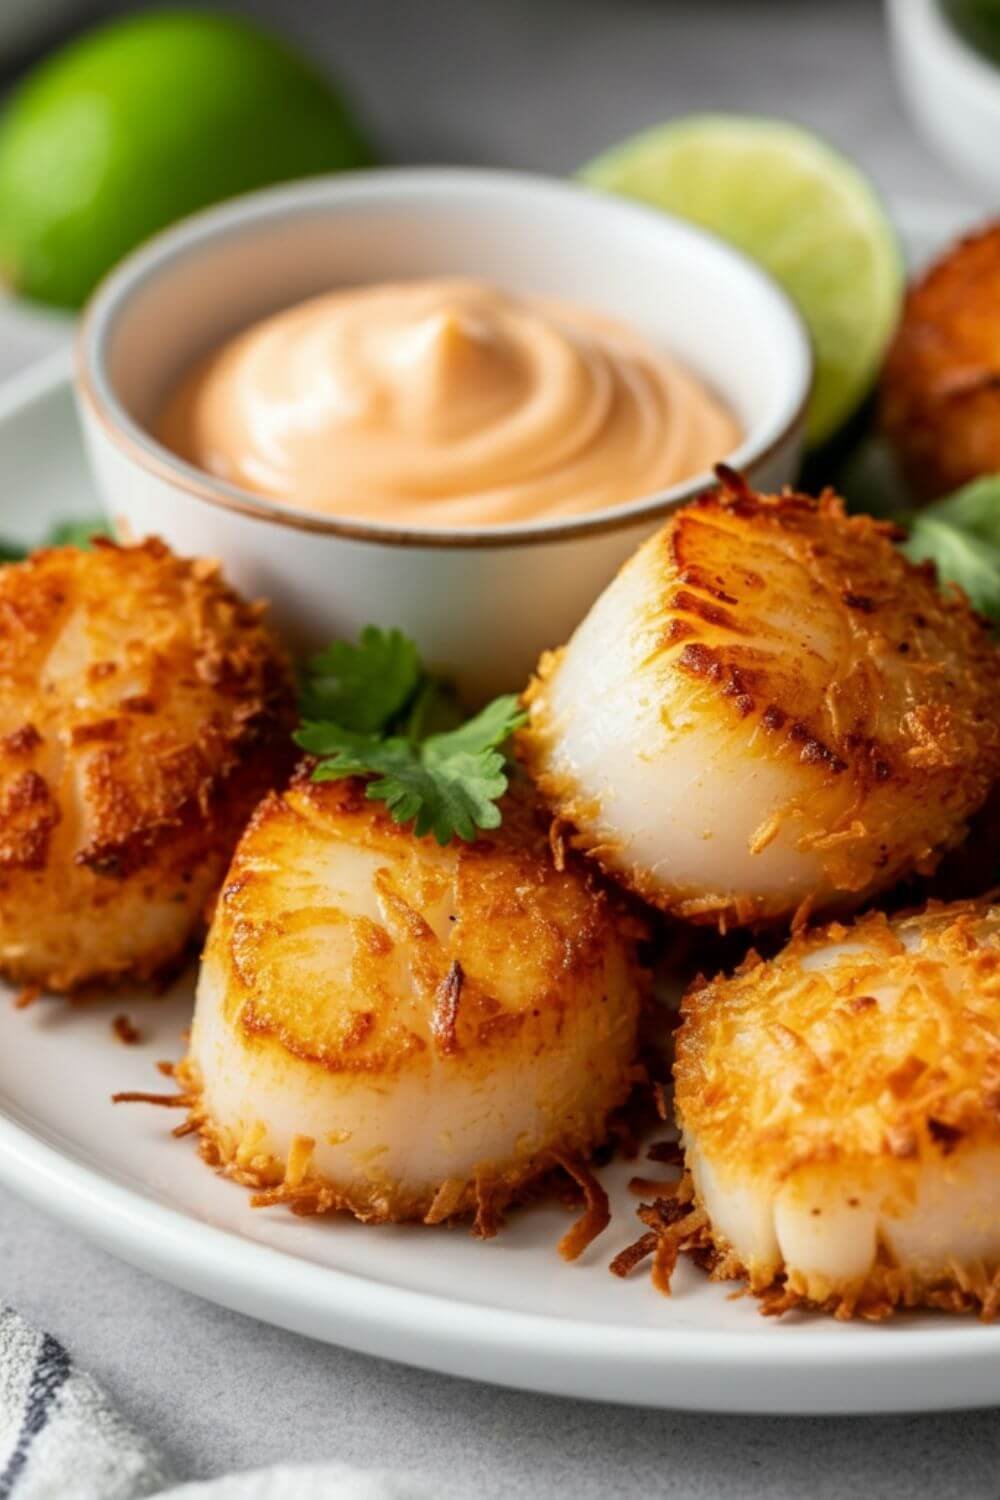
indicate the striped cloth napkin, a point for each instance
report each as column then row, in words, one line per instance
column 61, row 1439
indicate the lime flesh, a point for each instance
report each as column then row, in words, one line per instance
column 146, row 120
column 800, row 209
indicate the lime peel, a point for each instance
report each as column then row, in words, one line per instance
column 799, row 208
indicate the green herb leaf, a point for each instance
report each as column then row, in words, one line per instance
column 961, row 535
column 447, row 795
column 63, row 534
column 76, row 533
column 364, row 687
column 434, row 710
column 444, row 780
column 491, row 728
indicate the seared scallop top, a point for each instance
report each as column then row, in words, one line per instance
column 769, row 706
column 132, row 684
column 375, row 949
column 876, row 1040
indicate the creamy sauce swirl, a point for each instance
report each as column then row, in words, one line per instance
column 445, row 403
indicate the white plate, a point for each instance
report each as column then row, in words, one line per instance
column 508, row 1311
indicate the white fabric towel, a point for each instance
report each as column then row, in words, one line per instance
column 61, row 1439
column 327, row 1482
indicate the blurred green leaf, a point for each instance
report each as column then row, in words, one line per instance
column 961, row 536
column 62, row 534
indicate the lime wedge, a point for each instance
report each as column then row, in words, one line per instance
column 801, row 210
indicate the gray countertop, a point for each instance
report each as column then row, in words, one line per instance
column 532, row 83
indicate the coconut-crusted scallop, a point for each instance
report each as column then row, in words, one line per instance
column 768, row 710
column 404, row 1031
column 144, row 709
column 940, row 389
column 839, row 1112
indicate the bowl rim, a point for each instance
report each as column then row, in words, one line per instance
column 924, row 23
column 310, row 196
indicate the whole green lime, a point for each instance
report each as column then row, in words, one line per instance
column 143, row 121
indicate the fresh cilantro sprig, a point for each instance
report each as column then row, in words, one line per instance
column 364, row 687
column 373, row 710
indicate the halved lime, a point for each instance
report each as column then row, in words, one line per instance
column 799, row 208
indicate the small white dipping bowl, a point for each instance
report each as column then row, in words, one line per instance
column 951, row 89
column 482, row 602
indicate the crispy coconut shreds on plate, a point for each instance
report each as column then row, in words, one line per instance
column 293, row 1184
column 403, row 1031
column 940, row 390
column 144, row 709
column 768, row 712
column 840, row 1113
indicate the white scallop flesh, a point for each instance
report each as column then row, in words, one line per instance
column 677, row 790
column 823, row 1223
column 339, row 931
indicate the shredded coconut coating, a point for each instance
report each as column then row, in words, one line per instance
column 445, row 1026
column 840, row 1108
column 144, row 710
column 940, row 389
column 769, row 712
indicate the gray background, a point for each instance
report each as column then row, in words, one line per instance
column 533, row 83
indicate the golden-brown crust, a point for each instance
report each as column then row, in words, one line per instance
column 858, row 1068
column 895, row 733
column 849, row 1080
column 511, row 913
column 143, row 710
column 464, row 1017
column 940, row 390
column 28, row 814
column 213, row 685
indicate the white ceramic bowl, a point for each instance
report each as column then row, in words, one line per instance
column 952, row 92
column 482, row 603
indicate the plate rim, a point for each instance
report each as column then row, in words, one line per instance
column 659, row 1366
column 242, row 1274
